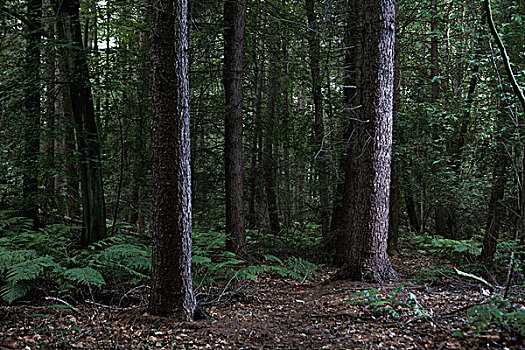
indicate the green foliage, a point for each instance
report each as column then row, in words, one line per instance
column 21, row 276
column 449, row 249
column 85, row 275
column 500, row 313
column 391, row 305
column 212, row 264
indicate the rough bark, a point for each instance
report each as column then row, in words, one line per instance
column 321, row 166
column 234, row 18
column 368, row 259
column 338, row 244
column 76, row 72
column 172, row 291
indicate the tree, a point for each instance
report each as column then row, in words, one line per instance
column 76, row 73
column 321, row 164
column 345, row 193
column 172, row 290
column 367, row 257
column 234, row 18
column 32, row 110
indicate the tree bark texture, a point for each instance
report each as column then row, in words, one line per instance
column 393, row 232
column 321, row 166
column 368, row 259
column 76, row 72
column 345, row 193
column 234, row 18
column 172, row 291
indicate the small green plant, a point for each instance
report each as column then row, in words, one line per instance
column 391, row 304
column 500, row 313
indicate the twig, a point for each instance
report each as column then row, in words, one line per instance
column 109, row 307
column 67, row 304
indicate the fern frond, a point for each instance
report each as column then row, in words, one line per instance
column 85, row 275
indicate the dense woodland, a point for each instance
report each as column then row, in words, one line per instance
column 360, row 164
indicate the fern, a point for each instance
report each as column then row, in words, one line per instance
column 85, row 275
column 21, row 276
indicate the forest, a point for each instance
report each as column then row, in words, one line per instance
column 260, row 174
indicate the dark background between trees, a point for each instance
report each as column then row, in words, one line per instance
column 277, row 126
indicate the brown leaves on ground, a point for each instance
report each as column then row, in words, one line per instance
column 273, row 313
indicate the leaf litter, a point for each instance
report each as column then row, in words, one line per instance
column 275, row 313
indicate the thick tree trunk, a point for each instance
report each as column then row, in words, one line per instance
column 368, row 259
column 337, row 245
column 32, row 110
column 76, row 72
column 321, row 166
column 234, row 18
column 172, row 291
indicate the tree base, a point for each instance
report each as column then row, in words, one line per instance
column 366, row 274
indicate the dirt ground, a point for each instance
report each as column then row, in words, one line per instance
column 274, row 313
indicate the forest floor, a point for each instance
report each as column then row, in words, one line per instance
column 276, row 313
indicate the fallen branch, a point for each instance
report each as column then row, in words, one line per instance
column 67, row 304
column 474, row 277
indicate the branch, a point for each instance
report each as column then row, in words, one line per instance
column 505, row 56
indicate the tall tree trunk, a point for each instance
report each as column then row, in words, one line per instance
column 234, row 18
column 172, row 290
column 368, row 259
column 345, row 192
column 439, row 211
column 393, row 233
column 77, row 76
column 32, row 109
column 321, row 166
column 255, row 150
column 50, row 117
column 269, row 162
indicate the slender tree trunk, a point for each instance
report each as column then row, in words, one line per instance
column 172, row 291
column 50, row 113
column 393, row 233
column 32, row 110
column 495, row 212
column 321, row 166
column 269, row 162
column 234, row 18
column 256, row 135
column 368, row 259
column 76, row 72
column 411, row 206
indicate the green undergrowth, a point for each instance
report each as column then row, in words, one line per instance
column 46, row 260
column 462, row 252
column 397, row 303
column 497, row 313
